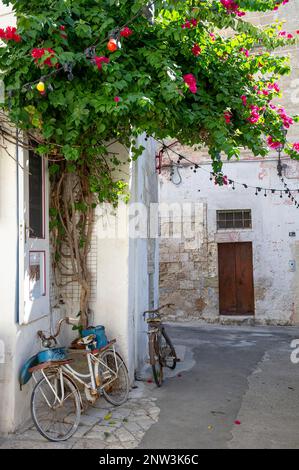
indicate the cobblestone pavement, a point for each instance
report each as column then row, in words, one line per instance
column 102, row 426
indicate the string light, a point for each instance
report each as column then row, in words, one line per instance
column 232, row 182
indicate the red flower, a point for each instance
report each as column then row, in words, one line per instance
column 189, row 23
column 62, row 27
column 126, row 32
column 227, row 116
column 10, row 34
column 38, row 53
column 117, row 99
column 99, row 61
column 196, row 50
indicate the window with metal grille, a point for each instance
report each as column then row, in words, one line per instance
column 229, row 219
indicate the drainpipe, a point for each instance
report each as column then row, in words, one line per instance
column 17, row 296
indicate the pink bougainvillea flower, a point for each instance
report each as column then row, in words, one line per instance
column 126, row 32
column 100, row 60
column 237, row 422
column 213, row 37
column 190, row 81
column 273, row 144
column 117, row 99
column 245, row 51
column 244, row 99
column 296, row 146
column 287, row 121
column 274, row 86
column 232, row 7
column 196, row 50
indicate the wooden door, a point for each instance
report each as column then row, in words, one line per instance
column 236, row 291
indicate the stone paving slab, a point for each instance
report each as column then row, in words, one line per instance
column 102, row 425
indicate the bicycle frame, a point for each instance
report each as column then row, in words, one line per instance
column 69, row 371
column 91, row 358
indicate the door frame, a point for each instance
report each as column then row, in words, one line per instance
column 32, row 309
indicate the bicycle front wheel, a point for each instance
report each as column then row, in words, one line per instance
column 155, row 358
column 167, row 351
column 55, row 407
column 113, row 377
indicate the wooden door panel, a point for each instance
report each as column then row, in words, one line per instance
column 227, row 279
column 244, row 279
column 236, row 290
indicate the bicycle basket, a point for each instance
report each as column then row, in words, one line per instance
column 99, row 331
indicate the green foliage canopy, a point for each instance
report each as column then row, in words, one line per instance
column 88, row 102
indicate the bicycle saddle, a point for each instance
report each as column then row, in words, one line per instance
column 86, row 340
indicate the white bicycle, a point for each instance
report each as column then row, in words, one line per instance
column 56, row 402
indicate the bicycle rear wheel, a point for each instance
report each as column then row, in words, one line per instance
column 54, row 420
column 114, row 379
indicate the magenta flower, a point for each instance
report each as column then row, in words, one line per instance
column 232, row 7
column 245, row 51
column 296, row 146
column 273, row 144
column 190, row 81
column 244, row 99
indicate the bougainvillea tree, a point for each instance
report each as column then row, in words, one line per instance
column 80, row 74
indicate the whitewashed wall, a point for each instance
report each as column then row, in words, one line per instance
column 124, row 266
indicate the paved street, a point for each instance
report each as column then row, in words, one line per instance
column 241, row 374
column 235, row 388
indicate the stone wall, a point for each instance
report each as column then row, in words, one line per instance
column 185, row 279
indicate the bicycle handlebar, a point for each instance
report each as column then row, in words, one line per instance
column 68, row 320
column 157, row 310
